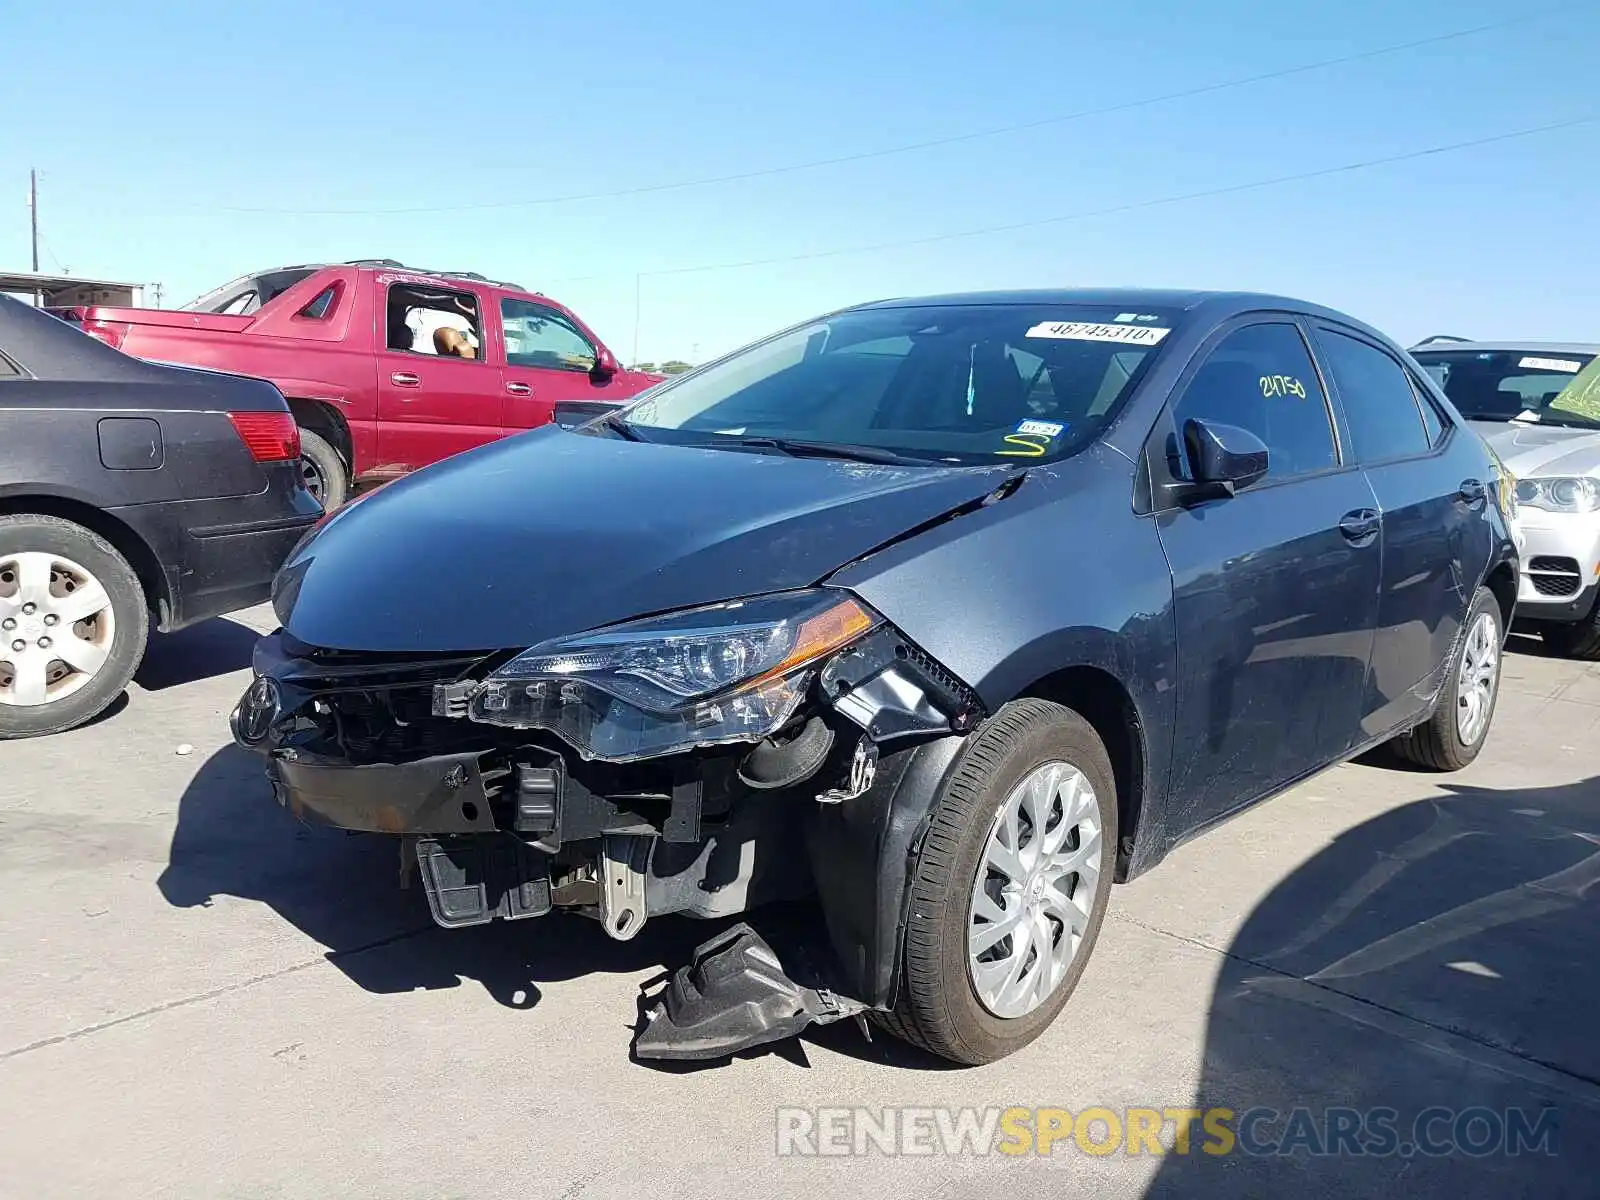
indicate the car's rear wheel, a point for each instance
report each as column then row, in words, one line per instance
column 325, row 474
column 73, row 625
column 1452, row 737
column 1010, row 888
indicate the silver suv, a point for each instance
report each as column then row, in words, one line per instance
column 1537, row 404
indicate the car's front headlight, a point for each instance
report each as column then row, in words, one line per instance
column 730, row 672
column 1560, row 494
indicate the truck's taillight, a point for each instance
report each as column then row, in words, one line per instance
column 270, row 436
column 112, row 333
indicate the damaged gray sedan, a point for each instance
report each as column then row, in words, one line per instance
column 940, row 615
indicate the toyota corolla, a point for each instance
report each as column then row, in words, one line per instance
column 941, row 614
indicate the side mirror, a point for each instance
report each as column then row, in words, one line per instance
column 1224, row 459
column 605, row 365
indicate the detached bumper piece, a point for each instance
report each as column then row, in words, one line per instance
column 733, row 995
column 446, row 793
column 473, row 880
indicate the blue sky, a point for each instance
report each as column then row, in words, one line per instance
column 152, row 125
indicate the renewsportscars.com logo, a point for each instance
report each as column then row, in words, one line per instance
column 1257, row 1132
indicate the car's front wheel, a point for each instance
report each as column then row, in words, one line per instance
column 1010, row 888
column 1580, row 639
column 73, row 625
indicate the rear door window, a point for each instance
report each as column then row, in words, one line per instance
column 1379, row 406
column 1260, row 378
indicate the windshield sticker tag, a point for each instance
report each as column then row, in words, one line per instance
column 1120, row 317
column 1282, row 385
column 1024, row 446
column 1566, row 365
column 1093, row 331
column 1044, row 429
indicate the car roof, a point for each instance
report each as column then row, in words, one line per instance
column 1219, row 303
column 393, row 264
column 1452, row 346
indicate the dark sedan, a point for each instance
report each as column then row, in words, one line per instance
column 943, row 613
column 128, row 490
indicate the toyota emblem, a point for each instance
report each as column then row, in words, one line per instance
column 259, row 710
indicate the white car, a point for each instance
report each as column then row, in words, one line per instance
column 1537, row 404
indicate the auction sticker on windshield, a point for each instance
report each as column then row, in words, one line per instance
column 1551, row 364
column 1090, row 331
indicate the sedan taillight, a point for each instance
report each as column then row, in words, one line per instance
column 269, row 436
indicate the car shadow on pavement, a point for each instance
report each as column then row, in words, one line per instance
column 1438, row 961
column 343, row 891
column 215, row 647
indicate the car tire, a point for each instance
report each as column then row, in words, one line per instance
column 1444, row 742
column 327, row 477
column 117, row 631
column 1580, row 639
column 939, row 1006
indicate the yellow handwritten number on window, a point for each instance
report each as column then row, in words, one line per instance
column 1282, row 385
column 1027, row 446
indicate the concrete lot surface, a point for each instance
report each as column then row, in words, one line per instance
column 205, row 999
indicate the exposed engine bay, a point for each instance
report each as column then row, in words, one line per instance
column 522, row 783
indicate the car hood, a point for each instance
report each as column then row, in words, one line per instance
column 554, row 532
column 1530, row 450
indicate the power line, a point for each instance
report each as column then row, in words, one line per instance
column 911, row 147
column 1112, row 210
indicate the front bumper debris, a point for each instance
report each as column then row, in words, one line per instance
column 473, row 880
column 507, row 823
column 734, row 995
column 442, row 794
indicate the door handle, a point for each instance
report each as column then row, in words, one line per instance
column 405, row 379
column 519, row 389
column 1473, row 491
column 1360, row 526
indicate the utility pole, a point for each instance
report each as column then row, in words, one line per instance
column 33, row 215
column 638, row 303
column 33, row 224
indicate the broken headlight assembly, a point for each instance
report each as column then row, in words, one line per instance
column 733, row 672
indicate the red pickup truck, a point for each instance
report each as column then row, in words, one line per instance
column 386, row 368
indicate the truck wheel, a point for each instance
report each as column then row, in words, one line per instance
column 326, row 475
column 1453, row 735
column 73, row 625
column 1010, row 887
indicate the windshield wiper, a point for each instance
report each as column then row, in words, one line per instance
column 615, row 423
column 844, row 450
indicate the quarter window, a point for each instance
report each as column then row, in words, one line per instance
column 1431, row 419
column 537, row 336
column 1260, row 378
column 1379, row 405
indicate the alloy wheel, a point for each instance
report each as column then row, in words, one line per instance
column 56, row 627
column 1479, row 674
column 1035, row 890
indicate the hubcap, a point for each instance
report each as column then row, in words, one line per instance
column 1480, row 670
column 56, row 627
column 1035, row 890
